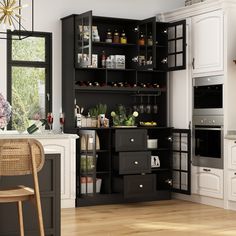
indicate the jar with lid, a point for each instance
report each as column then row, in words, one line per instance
column 116, row 37
column 109, row 36
column 150, row 40
column 123, row 38
column 141, row 40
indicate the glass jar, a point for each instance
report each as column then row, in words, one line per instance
column 116, row 37
column 150, row 40
column 123, row 38
column 141, row 40
column 109, row 36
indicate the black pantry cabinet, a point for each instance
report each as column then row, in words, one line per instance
column 119, row 171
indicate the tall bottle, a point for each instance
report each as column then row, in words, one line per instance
column 34, row 127
column 103, row 59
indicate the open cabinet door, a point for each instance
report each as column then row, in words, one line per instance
column 181, row 162
column 146, row 44
column 177, row 45
column 83, row 39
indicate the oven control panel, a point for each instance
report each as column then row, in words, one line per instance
column 208, row 120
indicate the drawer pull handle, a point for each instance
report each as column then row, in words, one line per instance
column 169, row 181
column 235, row 173
column 234, row 141
column 132, row 140
column 140, row 186
column 207, row 170
column 136, row 162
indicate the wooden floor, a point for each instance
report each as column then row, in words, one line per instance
column 153, row 218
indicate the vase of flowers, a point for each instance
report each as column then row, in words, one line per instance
column 5, row 112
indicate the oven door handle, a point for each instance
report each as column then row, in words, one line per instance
column 208, row 129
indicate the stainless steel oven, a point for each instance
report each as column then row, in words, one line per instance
column 208, row 136
column 208, row 95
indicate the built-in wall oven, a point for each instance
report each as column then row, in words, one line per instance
column 207, row 143
column 208, row 96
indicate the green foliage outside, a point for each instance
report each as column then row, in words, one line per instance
column 26, row 84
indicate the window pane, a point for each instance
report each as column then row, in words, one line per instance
column 28, row 95
column 29, row 49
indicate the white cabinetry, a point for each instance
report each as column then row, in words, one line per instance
column 207, row 182
column 231, row 154
column 66, row 148
column 231, row 169
column 207, row 43
column 232, row 185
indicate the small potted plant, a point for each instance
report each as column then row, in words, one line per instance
column 120, row 117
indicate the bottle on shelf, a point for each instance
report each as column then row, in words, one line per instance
column 116, row 37
column 34, row 127
column 150, row 40
column 103, row 59
column 123, row 38
column 109, row 36
column 141, row 40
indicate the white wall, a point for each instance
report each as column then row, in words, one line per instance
column 47, row 18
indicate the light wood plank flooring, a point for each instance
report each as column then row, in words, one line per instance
column 151, row 218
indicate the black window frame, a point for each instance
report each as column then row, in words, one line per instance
column 31, row 64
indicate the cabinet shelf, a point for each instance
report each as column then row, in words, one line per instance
column 102, row 151
column 117, row 89
column 104, row 44
column 159, row 169
column 158, row 149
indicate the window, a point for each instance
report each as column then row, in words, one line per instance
column 29, row 77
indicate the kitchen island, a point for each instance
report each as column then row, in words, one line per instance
column 56, row 182
column 63, row 144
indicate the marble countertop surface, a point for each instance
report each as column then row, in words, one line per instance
column 37, row 135
column 231, row 134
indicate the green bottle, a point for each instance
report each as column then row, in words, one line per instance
column 34, row 127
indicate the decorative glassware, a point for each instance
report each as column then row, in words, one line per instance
column 62, row 122
column 50, row 121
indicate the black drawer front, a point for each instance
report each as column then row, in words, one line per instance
column 139, row 186
column 131, row 140
column 134, row 162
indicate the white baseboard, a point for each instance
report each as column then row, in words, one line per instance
column 200, row 199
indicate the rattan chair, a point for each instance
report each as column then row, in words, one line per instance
column 22, row 157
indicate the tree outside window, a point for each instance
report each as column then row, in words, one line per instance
column 29, row 78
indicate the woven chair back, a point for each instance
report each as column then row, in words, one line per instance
column 16, row 156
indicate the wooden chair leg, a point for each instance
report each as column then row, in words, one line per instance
column 20, row 215
column 40, row 215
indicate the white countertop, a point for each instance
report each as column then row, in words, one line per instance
column 44, row 135
column 231, row 135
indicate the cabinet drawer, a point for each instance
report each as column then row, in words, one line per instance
column 139, row 185
column 131, row 140
column 133, row 162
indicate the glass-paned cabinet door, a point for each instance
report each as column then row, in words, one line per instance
column 146, row 44
column 181, row 163
column 177, row 46
column 86, row 166
column 83, row 39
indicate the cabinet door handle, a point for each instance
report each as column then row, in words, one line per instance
column 234, row 141
column 140, row 186
column 235, row 173
column 136, row 162
column 164, row 61
column 193, row 63
column 207, row 170
column 132, row 140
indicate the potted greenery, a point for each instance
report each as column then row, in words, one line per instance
column 121, row 118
